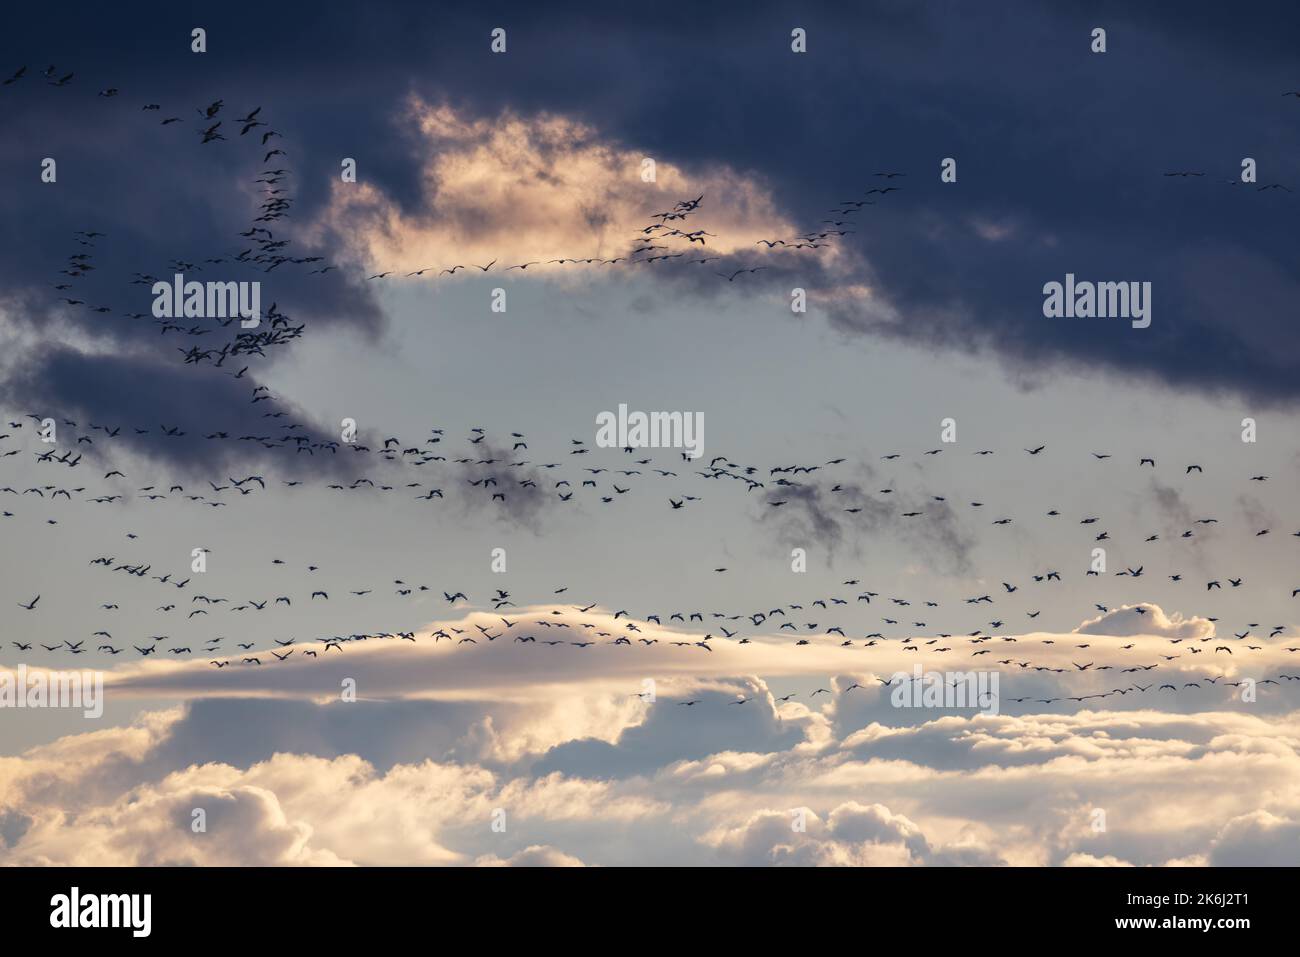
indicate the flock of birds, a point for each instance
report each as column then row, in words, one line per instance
column 265, row 253
column 495, row 474
column 825, row 619
column 663, row 240
column 499, row 474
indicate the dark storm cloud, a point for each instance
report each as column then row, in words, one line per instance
column 1059, row 159
column 131, row 393
column 157, row 195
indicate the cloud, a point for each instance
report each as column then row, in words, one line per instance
column 852, row 834
column 949, row 790
column 622, row 652
column 1088, row 860
column 297, row 809
column 1257, row 839
column 155, row 826
column 814, row 512
column 534, row 856
column 671, row 732
column 514, row 188
column 525, row 492
column 1146, row 619
column 566, row 154
column 138, row 392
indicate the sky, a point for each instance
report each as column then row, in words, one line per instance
column 919, row 470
